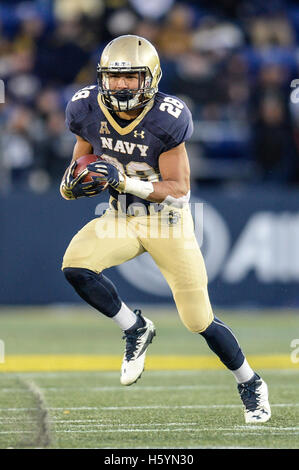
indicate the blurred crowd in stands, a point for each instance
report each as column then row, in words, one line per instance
column 232, row 61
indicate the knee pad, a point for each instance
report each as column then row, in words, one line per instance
column 194, row 309
column 96, row 289
column 78, row 276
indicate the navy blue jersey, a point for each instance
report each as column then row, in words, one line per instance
column 133, row 148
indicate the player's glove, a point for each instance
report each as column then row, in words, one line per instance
column 72, row 187
column 109, row 173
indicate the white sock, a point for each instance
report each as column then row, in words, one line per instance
column 244, row 373
column 125, row 318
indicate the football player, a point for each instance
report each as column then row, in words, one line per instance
column 140, row 134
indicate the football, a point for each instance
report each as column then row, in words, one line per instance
column 82, row 163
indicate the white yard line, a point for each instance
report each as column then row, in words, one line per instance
column 16, row 432
column 86, row 422
column 51, row 408
column 166, row 373
column 120, row 388
column 148, row 407
column 126, row 430
column 255, row 433
column 228, row 431
column 120, row 408
column 233, row 431
column 72, row 422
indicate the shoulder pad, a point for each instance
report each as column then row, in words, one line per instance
column 174, row 119
column 78, row 108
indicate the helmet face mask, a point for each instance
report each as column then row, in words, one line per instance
column 126, row 99
column 128, row 55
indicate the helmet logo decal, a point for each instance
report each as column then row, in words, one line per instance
column 117, row 64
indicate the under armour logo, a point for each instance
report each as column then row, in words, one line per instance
column 139, row 134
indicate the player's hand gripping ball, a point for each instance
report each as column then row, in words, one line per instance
column 80, row 182
column 108, row 173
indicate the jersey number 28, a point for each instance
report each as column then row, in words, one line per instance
column 83, row 93
column 172, row 106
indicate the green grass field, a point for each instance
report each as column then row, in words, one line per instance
column 60, row 383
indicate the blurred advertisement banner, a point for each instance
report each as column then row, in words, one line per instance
column 249, row 239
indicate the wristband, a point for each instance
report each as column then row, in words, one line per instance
column 179, row 202
column 139, row 188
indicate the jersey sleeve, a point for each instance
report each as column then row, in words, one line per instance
column 74, row 116
column 174, row 124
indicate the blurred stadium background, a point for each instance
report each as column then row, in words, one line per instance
column 234, row 63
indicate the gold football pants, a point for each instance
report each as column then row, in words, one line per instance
column 168, row 236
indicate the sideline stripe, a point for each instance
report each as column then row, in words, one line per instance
column 65, row 362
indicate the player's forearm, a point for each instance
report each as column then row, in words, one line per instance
column 162, row 191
